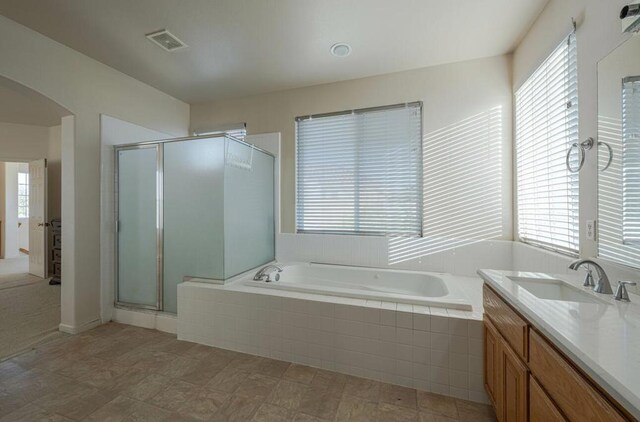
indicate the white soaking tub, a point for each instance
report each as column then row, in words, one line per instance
column 410, row 287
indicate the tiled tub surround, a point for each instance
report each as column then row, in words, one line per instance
column 427, row 348
column 602, row 339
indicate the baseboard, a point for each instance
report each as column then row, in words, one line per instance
column 71, row 329
column 146, row 319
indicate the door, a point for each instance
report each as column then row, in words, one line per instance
column 541, row 407
column 38, row 218
column 138, row 226
column 513, row 387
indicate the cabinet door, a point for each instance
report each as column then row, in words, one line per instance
column 513, row 386
column 492, row 364
column 541, row 407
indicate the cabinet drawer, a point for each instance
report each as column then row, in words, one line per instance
column 509, row 324
column 572, row 393
column 541, row 407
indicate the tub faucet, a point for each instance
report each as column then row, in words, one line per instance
column 264, row 274
column 602, row 285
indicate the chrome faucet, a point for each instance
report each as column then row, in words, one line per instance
column 602, row 285
column 265, row 275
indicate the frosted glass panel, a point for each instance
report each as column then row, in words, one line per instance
column 137, row 226
column 193, row 213
column 248, row 208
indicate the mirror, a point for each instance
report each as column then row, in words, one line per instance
column 619, row 154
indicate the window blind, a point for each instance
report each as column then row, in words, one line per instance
column 546, row 108
column 631, row 159
column 360, row 172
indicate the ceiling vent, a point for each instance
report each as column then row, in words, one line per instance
column 166, row 40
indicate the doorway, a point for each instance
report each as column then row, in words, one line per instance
column 23, row 221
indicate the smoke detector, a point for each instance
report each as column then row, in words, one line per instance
column 166, row 40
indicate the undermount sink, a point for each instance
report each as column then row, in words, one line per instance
column 553, row 289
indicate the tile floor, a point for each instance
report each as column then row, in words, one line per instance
column 122, row 373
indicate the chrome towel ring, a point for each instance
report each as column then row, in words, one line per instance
column 610, row 154
column 582, row 147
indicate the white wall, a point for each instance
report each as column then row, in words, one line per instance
column 451, row 94
column 86, row 88
column 23, row 142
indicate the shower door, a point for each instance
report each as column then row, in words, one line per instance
column 139, row 226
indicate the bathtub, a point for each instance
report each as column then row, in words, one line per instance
column 409, row 287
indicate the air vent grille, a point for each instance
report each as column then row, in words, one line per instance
column 166, row 40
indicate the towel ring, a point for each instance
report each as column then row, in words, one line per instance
column 580, row 153
column 610, row 154
column 582, row 147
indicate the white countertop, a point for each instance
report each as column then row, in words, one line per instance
column 603, row 339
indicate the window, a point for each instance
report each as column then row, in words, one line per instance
column 631, row 159
column 23, row 195
column 546, row 108
column 360, row 171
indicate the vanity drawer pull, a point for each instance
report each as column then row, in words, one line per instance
column 509, row 324
column 573, row 394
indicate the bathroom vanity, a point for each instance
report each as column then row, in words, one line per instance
column 556, row 351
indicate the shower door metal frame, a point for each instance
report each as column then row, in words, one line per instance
column 159, row 223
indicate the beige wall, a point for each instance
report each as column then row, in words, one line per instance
column 598, row 33
column 450, row 94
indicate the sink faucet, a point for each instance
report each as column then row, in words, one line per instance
column 264, row 274
column 602, row 285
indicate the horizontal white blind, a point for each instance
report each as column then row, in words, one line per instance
column 546, row 127
column 360, row 172
column 631, row 159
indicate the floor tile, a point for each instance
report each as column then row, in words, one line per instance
column 76, row 403
column 272, row 368
column 203, row 405
column 321, row 404
column 363, row 388
column 126, row 409
column 174, row 396
column 238, row 409
column 389, row 412
column 148, row 387
column 355, row 409
column 300, row 373
column 33, row 413
column 398, row 396
column 122, row 373
column 257, row 385
column 228, row 379
column 332, row 382
column 437, row 404
column 268, row 412
column 288, row 394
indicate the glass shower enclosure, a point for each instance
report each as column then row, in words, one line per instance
column 200, row 207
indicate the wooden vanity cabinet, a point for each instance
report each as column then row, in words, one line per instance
column 529, row 380
column 506, row 377
column 541, row 407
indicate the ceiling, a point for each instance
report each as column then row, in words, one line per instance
column 19, row 104
column 247, row 47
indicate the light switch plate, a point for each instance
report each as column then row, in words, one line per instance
column 591, row 229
